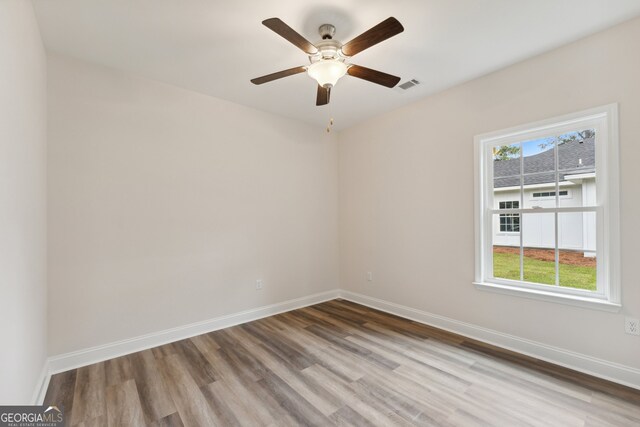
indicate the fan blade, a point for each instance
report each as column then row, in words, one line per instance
column 373, row 76
column 279, row 27
column 323, row 95
column 384, row 30
column 278, row 75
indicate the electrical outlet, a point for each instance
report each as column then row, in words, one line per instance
column 632, row 326
column 369, row 276
column 259, row 284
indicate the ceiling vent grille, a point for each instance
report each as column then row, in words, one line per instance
column 409, row 84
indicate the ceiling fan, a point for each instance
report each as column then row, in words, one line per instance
column 329, row 57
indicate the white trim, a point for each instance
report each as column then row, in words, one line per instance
column 541, row 128
column 42, row 385
column 612, row 208
column 605, row 120
column 600, row 368
column 535, row 210
column 76, row 359
column 580, row 176
column 555, row 297
column 534, row 186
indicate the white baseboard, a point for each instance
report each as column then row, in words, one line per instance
column 589, row 365
column 615, row 372
column 76, row 359
column 41, row 385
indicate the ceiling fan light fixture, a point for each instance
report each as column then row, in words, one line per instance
column 327, row 72
column 328, row 56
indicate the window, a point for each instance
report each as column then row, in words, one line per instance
column 550, row 194
column 510, row 222
column 548, row 245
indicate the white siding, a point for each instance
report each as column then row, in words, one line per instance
column 576, row 231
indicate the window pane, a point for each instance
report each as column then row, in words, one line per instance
column 577, row 164
column 539, row 155
column 576, row 150
column 506, row 251
column 506, row 161
column 516, row 223
column 577, row 243
column 538, row 233
column 506, row 188
column 540, row 178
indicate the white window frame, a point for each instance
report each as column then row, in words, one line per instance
column 608, row 296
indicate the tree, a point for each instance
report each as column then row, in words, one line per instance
column 568, row 137
column 506, row 152
column 588, row 133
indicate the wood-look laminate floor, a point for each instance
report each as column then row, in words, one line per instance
column 336, row 363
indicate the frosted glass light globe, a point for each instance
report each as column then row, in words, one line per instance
column 327, row 71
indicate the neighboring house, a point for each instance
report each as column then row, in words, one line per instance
column 577, row 187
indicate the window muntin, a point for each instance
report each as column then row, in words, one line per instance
column 556, row 140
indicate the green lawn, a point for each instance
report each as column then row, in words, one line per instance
column 507, row 266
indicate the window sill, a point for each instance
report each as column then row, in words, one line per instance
column 584, row 302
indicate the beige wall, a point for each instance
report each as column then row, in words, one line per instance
column 23, row 259
column 167, row 205
column 406, row 194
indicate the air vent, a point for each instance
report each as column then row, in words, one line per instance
column 409, row 84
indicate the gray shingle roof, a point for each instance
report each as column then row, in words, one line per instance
column 539, row 168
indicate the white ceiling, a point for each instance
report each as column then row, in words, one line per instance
column 216, row 46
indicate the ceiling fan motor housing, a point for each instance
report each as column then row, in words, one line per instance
column 327, row 49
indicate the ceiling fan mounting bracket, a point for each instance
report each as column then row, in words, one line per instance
column 327, row 31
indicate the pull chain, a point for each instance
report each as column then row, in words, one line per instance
column 330, row 123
